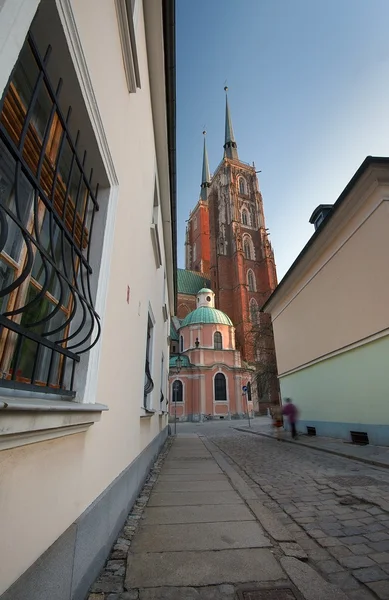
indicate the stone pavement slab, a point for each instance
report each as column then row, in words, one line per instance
column 206, row 465
column 194, row 498
column 200, row 536
column 210, row 513
column 270, row 522
column 203, row 568
column 381, row 588
column 193, row 486
column 209, row 467
column 190, row 476
column 309, row 582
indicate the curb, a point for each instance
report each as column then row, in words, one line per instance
column 367, row 461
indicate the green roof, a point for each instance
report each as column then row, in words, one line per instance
column 206, row 314
column 190, row 282
column 173, row 332
column 185, row 360
column 205, row 291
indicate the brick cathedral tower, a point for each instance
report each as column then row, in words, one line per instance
column 242, row 267
column 238, row 255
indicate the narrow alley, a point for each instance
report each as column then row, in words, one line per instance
column 226, row 514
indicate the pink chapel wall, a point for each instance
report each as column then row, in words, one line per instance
column 198, row 393
column 205, row 334
column 198, row 380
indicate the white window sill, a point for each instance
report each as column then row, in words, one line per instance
column 147, row 413
column 24, row 421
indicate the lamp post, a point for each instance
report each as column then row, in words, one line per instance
column 178, row 369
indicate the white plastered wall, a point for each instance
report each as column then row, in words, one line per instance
column 47, row 485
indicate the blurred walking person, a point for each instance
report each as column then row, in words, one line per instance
column 290, row 411
column 278, row 421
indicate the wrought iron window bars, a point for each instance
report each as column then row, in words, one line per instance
column 47, row 315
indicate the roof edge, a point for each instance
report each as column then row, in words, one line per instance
column 368, row 162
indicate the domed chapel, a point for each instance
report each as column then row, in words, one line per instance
column 210, row 377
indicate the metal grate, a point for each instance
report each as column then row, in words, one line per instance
column 359, row 437
column 311, row 431
column 47, row 212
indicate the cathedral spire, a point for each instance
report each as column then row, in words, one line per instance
column 205, row 179
column 230, row 147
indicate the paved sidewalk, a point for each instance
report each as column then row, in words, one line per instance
column 372, row 455
column 205, row 535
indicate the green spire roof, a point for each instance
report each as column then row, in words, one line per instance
column 230, row 146
column 206, row 178
column 190, row 282
column 206, row 314
column 205, row 291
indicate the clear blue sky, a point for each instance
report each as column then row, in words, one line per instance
column 309, row 95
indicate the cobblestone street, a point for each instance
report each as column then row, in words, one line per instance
column 336, row 507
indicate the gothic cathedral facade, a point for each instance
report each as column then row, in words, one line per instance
column 227, row 241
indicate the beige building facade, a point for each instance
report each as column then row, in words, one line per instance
column 87, row 282
column 330, row 314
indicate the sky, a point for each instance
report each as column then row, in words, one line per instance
column 309, row 97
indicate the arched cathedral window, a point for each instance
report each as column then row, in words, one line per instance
column 217, row 341
column 251, row 281
column 242, row 186
column 248, row 248
column 253, row 310
column 245, row 217
column 220, row 387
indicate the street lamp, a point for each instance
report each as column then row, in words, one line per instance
column 175, row 385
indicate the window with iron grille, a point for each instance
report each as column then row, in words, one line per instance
column 217, row 341
column 220, row 387
column 47, row 212
column 149, row 383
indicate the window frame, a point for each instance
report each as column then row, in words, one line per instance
column 248, row 243
column 242, row 186
column 149, row 355
column 253, row 317
column 177, row 382
column 37, row 157
column 251, row 281
column 125, row 10
column 217, row 341
column 218, row 377
column 54, row 417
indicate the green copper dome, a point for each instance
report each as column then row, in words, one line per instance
column 205, row 291
column 206, row 314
